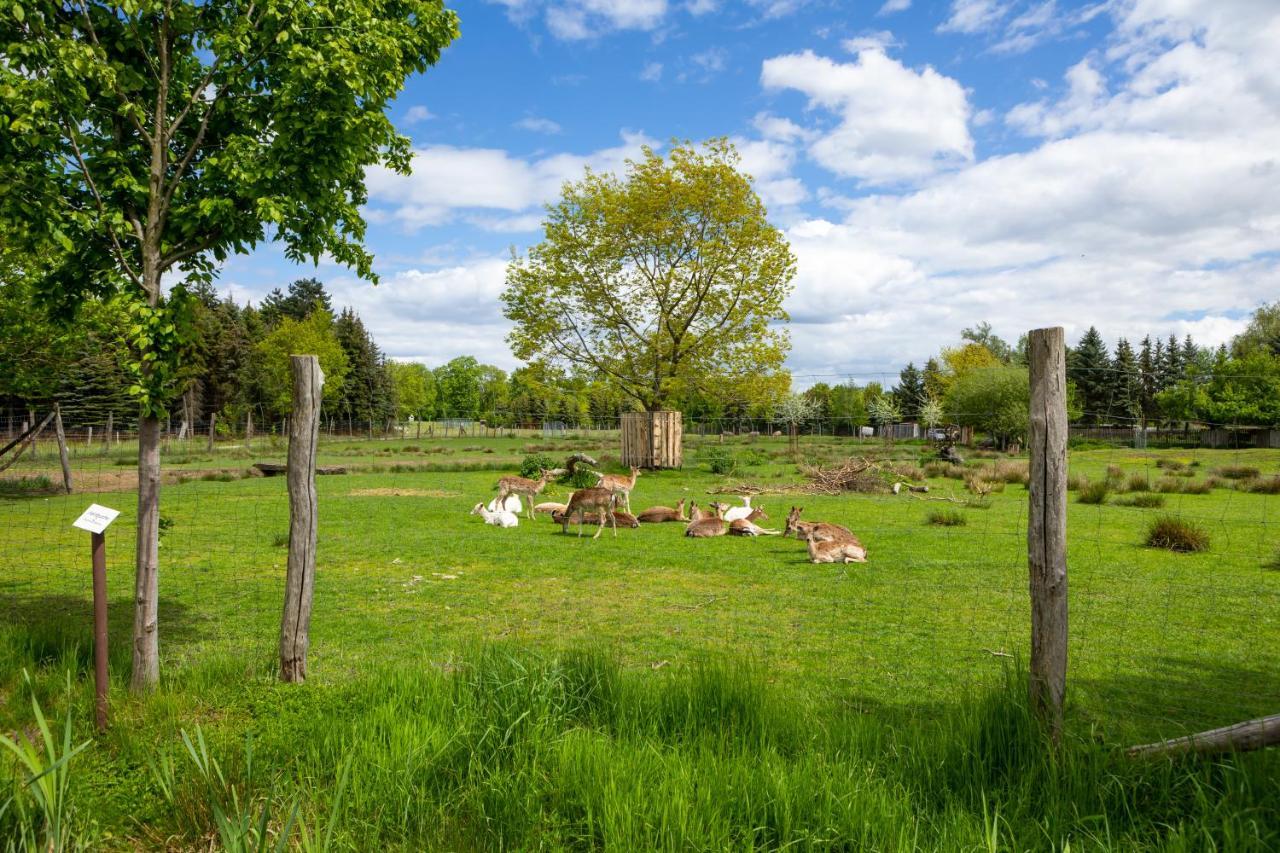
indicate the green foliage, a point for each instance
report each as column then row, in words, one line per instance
column 1143, row 500
column 659, row 280
column 415, row 390
column 1093, row 492
column 946, row 518
column 1177, row 534
column 312, row 336
column 884, row 410
column 993, row 400
column 720, row 460
column 1261, row 335
column 1089, row 368
column 305, row 295
column 20, row 487
column 535, row 463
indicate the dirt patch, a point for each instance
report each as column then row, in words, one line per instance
column 402, row 493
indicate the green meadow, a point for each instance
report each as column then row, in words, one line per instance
column 479, row 688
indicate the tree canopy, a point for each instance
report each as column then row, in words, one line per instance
column 668, row 279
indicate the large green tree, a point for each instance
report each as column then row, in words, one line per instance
column 1089, row 368
column 1262, row 333
column 666, row 279
column 153, row 138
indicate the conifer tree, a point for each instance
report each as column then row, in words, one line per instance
column 1127, row 389
column 910, row 393
column 1088, row 366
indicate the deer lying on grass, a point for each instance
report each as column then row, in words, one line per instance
column 705, row 527
column 583, row 501
column 623, row 518
column 523, row 487
column 548, row 508
column 747, row 526
column 834, row 552
column 498, row 518
column 734, row 513
column 823, row 531
column 659, row 514
column 696, row 513
column 620, row 484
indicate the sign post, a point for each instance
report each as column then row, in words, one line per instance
column 96, row 519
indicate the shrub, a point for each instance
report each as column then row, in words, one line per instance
column 1012, row 472
column 1177, row 534
column 534, row 464
column 753, row 456
column 720, row 460
column 1145, row 500
column 936, row 469
column 1170, row 464
column 946, row 518
column 1094, row 493
column 1261, row 485
column 908, row 471
column 1138, row 483
column 1176, row 486
column 1197, row 487
column 581, row 478
column 1237, row 472
column 1115, row 472
column 37, row 484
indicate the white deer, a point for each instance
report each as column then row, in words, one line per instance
column 736, row 512
column 498, row 518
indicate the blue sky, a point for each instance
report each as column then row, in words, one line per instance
column 934, row 163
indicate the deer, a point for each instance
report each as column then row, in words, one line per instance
column 695, row 513
column 548, row 508
column 736, row 512
column 623, row 518
column 834, row 552
column 706, row 527
column 659, row 514
column 498, row 518
column 823, row 531
column 523, row 487
column 584, row 500
column 620, row 484
column 747, row 526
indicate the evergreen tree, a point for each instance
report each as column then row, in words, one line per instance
column 1127, row 387
column 935, row 382
column 1173, row 354
column 1190, row 353
column 1146, row 367
column 1089, row 366
column 368, row 393
column 305, row 295
column 910, row 393
column 1159, row 367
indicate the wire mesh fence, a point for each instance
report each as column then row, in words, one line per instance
column 1161, row 640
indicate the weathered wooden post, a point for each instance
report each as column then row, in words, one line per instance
column 1047, row 526
column 304, row 429
column 96, row 519
column 213, row 423
column 63, row 457
column 110, row 425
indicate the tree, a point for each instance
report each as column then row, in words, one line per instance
column 664, row 280
column 1146, row 370
column 459, row 383
column 965, row 359
column 153, row 138
column 305, row 296
column 982, row 335
column 1126, row 391
column 1262, row 333
column 1089, row 367
column 884, row 412
column 935, row 382
column 794, row 410
column 910, row 393
column 314, row 336
column 368, row 393
column 415, row 390
column 996, row 402
column 931, row 413
column 849, row 407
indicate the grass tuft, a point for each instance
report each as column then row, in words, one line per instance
column 1177, row 534
column 1237, row 472
column 946, row 518
column 1261, row 485
column 1144, row 500
column 1094, row 492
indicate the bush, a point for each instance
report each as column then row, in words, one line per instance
column 581, row 478
column 1093, row 493
column 534, row 464
column 946, row 518
column 753, row 456
column 1261, row 485
column 1138, row 483
column 720, row 460
column 1170, row 464
column 1115, row 472
column 1176, row 534
column 1237, row 472
column 1176, row 486
column 38, row 484
column 1145, row 500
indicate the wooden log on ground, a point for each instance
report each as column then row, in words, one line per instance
column 1239, row 737
column 304, row 434
column 280, row 469
column 1047, row 526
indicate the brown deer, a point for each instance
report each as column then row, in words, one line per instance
column 548, row 508
column 659, row 514
column 834, row 552
column 523, row 487
column 583, row 501
column 747, row 526
column 705, row 527
column 823, row 531
column 620, row 484
column 623, row 518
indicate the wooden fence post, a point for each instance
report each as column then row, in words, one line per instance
column 1047, row 526
column 304, row 428
column 110, row 425
column 62, row 447
column 213, row 423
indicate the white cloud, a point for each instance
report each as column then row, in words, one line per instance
column 881, row 40
column 652, row 72
column 417, row 114
column 892, row 6
column 972, row 16
column 702, row 7
column 779, row 128
column 538, row 125
column 895, row 124
column 446, row 179
column 582, row 19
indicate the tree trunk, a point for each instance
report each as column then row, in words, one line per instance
column 304, row 428
column 146, row 599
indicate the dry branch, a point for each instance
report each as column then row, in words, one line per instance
column 1240, row 737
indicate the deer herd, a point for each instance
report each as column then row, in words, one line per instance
column 609, row 502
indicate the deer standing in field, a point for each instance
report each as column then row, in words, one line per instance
column 583, row 501
column 823, row 531
column 659, row 514
column 704, row 527
column 834, row 552
column 522, row 487
column 748, row 527
column 620, row 484
column 623, row 518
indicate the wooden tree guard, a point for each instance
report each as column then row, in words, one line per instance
column 63, row 456
column 1047, row 526
column 652, row 439
column 304, row 433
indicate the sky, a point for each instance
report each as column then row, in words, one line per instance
column 933, row 163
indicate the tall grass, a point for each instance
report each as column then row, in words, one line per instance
column 508, row 750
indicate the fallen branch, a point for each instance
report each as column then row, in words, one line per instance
column 997, row 654
column 710, row 600
column 1240, row 737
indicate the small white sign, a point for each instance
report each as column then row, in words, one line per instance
column 96, row 518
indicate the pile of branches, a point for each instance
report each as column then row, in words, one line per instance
column 852, row 475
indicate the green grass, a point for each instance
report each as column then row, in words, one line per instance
column 737, row 695
column 946, row 518
column 1177, row 534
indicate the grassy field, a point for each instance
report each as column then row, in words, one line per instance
column 495, row 688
